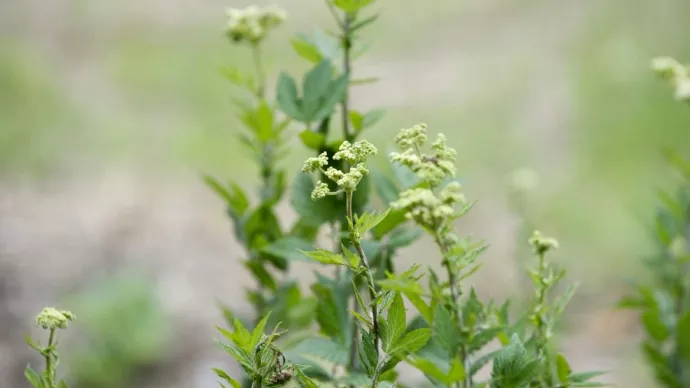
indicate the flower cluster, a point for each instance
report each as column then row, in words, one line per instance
column 673, row 71
column 51, row 318
column 251, row 24
column 427, row 208
column 355, row 154
column 541, row 243
column 432, row 168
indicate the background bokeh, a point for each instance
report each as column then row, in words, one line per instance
column 110, row 112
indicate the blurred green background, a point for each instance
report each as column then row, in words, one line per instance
column 109, row 112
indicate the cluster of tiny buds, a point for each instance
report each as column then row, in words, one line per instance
column 673, row 71
column 354, row 154
column 51, row 318
column 541, row 243
column 251, row 24
column 427, row 208
column 432, row 168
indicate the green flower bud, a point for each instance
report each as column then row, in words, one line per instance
column 51, row 318
column 321, row 190
column 542, row 244
column 355, row 153
column 315, row 164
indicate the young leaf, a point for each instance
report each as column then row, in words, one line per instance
column 333, row 95
column 563, row 368
column 258, row 333
column 313, row 140
column 306, row 49
column 363, row 23
column 325, row 257
column 33, row 377
column 411, row 342
column 351, row 5
column 367, row 221
column 234, row 383
column 367, row 354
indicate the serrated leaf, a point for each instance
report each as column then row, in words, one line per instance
column 321, row 348
column 412, row 341
column 352, row 259
column 287, row 98
column 304, row 380
column 396, row 320
column 367, row 221
column 238, row 354
column 368, row 354
column 444, row 329
column 394, row 219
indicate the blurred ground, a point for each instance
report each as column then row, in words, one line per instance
column 109, row 112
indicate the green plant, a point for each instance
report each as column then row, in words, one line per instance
column 664, row 302
column 52, row 320
column 360, row 312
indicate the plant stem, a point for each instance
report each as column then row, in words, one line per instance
column 464, row 353
column 256, row 383
column 49, row 358
column 347, row 47
column 370, row 278
column 261, row 76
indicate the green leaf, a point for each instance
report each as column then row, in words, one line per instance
column 315, row 87
column 402, row 237
column 227, row 378
column 444, row 329
column 352, row 259
column 397, row 321
column 429, row 368
column 258, row 333
column 288, row 248
column 311, row 139
column 654, row 326
column 363, row 23
column 372, row 117
column 684, row 336
column 367, row 221
column 563, row 368
column 264, row 121
column 313, row 213
column 351, row 5
column 287, row 97
column 322, row 348
column 368, row 353
column 33, row 377
column 304, row 380
column 306, row 49
column 258, row 269
column 412, row 341
column 384, row 186
column 325, row 257
column 394, row 219
column 456, row 372
column 333, row 95
column 363, row 81
column 238, row 354
column 356, row 119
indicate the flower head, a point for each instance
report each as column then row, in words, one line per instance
column 321, row 190
column 51, row 318
column 411, row 137
column 355, row 153
column 315, row 164
column 541, row 243
column 432, row 168
column 252, row 23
